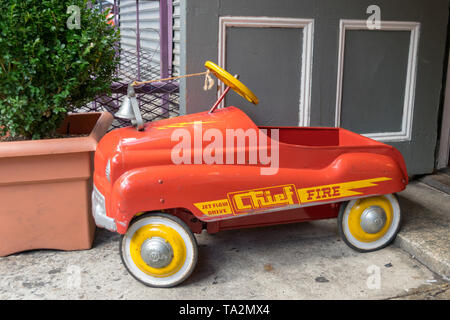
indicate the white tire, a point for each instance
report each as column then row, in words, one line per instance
column 169, row 235
column 351, row 222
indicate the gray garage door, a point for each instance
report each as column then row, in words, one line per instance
column 316, row 63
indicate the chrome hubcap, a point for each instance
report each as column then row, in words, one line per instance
column 156, row 252
column 373, row 219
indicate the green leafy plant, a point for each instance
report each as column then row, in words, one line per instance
column 46, row 68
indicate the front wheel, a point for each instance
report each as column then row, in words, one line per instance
column 159, row 250
column 369, row 224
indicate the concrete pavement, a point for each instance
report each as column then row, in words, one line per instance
column 425, row 231
column 297, row 261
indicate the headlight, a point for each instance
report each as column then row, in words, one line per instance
column 108, row 170
column 99, row 211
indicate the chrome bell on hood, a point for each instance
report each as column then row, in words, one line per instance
column 129, row 110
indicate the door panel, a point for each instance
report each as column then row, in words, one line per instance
column 374, row 80
column 274, row 54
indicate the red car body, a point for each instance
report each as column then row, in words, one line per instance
column 318, row 168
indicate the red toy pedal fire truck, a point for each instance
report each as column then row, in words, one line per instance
column 159, row 183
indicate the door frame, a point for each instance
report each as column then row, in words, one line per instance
column 305, row 61
column 444, row 138
column 410, row 87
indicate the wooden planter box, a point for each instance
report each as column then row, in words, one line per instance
column 45, row 188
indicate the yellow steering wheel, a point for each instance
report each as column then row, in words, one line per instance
column 232, row 82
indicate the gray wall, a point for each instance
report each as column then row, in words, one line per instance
column 372, row 93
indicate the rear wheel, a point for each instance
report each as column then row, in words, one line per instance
column 369, row 224
column 159, row 250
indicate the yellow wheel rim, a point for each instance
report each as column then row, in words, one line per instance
column 168, row 234
column 232, row 82
column 354, row 218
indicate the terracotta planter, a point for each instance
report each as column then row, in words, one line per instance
column 45, row 188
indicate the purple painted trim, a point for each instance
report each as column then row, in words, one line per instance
column 170, row 35
column 165, row 44
column 116, row 23
column 165, row 20
column 116, row 13
column 138, row 42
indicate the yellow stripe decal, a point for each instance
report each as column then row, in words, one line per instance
column 263, row 199
column 214, row 208
column 182, row 124
column 334, row 191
